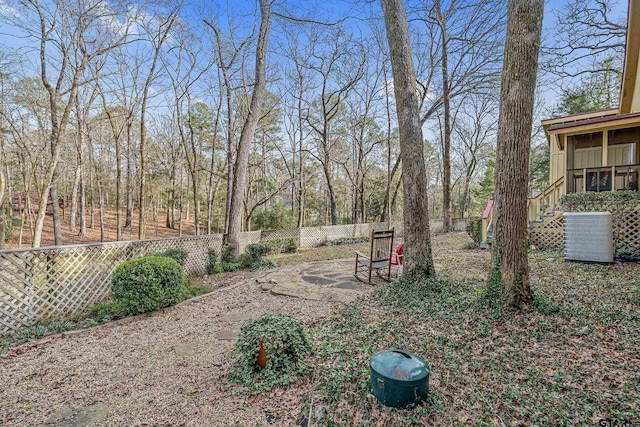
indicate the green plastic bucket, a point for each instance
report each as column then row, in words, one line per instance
column 399, row 378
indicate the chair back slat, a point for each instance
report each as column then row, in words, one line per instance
column 382, row 245
column 380, row 256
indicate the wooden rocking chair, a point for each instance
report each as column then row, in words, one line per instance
column 380, row 254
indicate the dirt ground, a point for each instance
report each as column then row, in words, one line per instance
column 170, row 368
column 161, row 370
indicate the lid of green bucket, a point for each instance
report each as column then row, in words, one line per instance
column 400, row 365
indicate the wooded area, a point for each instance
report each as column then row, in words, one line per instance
column 118, row 120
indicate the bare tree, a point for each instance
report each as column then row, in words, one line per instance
column 158, row 31
column 475, row 131
column 586, row 31
column 3, row 186
column 228, row 53
column 334, row 63
column 467, row 50
column 76, row 34
column 184, row 73
column 509, row 277
column 246, row 136
column 414, row 180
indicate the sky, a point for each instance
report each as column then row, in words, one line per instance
column 225, row 12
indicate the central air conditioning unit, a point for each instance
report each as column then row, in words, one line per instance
column 588, row 237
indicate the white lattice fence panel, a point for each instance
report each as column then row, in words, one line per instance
column 280, row 234
column 548, row 234
column 248, row 238
column 458, row 224
column 15, row 297
column 41, row 283
column 332, row 232
column 626, row 231
column 197, row 248
column 310, row 236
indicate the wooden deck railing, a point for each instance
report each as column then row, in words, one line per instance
column 546, row 201
column 606, row 178
column 543, row 203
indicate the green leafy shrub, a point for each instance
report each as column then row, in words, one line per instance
column 285, row 341
column 227, row 253
column 344, row 241
column 593, row 201
column 474, row 230
column 107, row 311
column 257, row 250
column 147, row 284
column 179, row 255
column 231, row 266
column 214, row 266
column 189, row 289
column 59, row 326
column 31, row 333
column 254, row 258
column 257, row 264
column 282, row 245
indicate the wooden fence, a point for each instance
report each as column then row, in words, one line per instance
column 46, row 283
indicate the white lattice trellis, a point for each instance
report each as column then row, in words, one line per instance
column 626, row 231
column 36, row 284
column 548, row 234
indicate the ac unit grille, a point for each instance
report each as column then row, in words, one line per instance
column 588, row 237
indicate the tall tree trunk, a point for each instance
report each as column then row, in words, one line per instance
column 99, row 187
column 128, row 221
column 3, row 185
column 464, row 204
column 211, row 191
column 82, row 190
column 92, row 195
column 143, row 126
column 386, row 206
column 57, row 227
column 300, row 216
column 246, row 136
column 143, row 176
column 509, row 278
column 333, row 208
column 73, row 217
column 418, row 258
column 446, row 102
column 385, row 203
column 118, row 191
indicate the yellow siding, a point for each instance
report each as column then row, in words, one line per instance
column 587, row 158
column 635, row 99
column 556, row 171
column 621, row 154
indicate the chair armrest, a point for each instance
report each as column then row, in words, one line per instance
column 361, row 255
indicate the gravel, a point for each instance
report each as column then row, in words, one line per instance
column 165, row 369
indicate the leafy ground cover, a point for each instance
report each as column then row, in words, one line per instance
column 571, row 358
column 320, row 253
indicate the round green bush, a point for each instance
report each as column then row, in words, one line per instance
column 285, row 341
column 147, row 284
column 474, row 230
